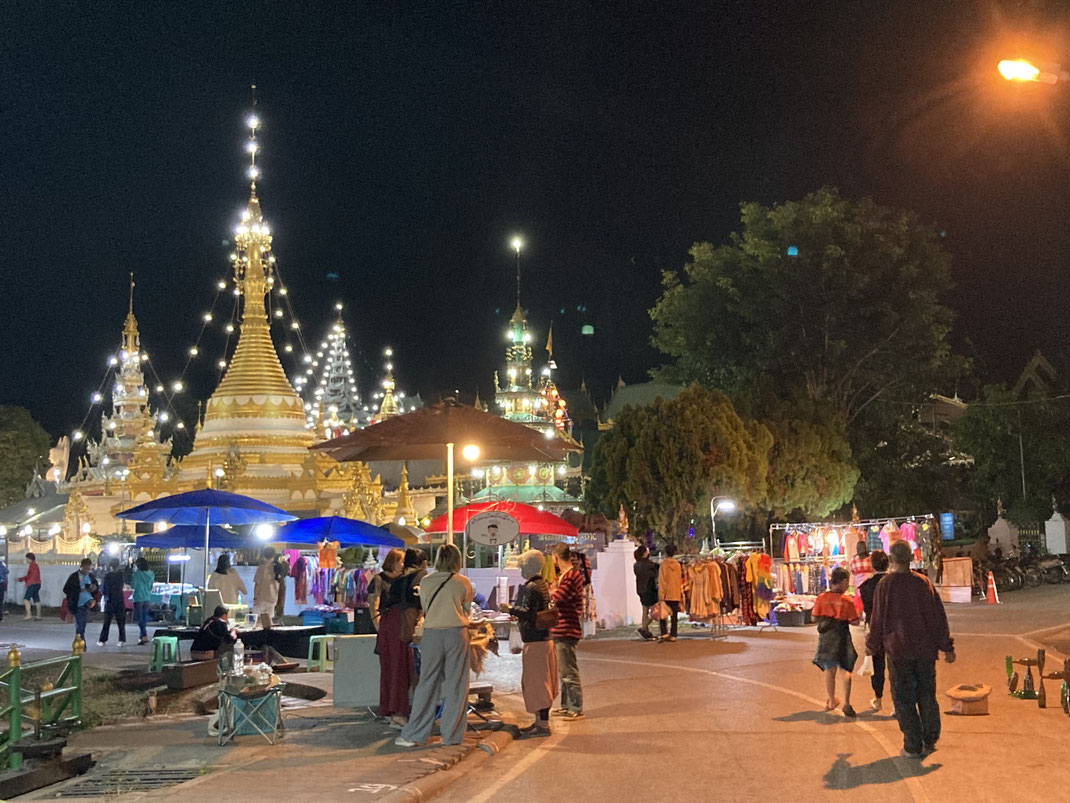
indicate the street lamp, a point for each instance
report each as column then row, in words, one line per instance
column 1024, row 71
column 719, row 503
column 470, row 452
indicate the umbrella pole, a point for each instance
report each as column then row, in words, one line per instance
column 207, row 516
column 449, row 494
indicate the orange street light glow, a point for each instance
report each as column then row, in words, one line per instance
column 1018, row 70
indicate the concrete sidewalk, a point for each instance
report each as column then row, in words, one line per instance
column 326, row 753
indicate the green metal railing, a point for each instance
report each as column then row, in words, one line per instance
column 55, row 705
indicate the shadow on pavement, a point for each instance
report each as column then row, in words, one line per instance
column 885, row 770
column 821, row 717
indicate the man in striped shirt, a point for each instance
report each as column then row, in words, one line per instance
column 568, row 599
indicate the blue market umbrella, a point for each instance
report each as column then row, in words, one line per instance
column 347, row 532
column 205, row 508
column 186, row 536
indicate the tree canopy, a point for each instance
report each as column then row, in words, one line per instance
column 831, row 297
column 665, row 461
column 22, row 443
column 811, row 469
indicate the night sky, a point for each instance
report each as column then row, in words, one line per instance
column 401, row 150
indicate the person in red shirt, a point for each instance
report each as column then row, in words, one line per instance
column 32, row 579
column 835, row 613
column 568, row 599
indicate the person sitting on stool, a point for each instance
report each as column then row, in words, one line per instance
column 215, row 637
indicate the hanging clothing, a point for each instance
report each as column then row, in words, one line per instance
column 329, row 555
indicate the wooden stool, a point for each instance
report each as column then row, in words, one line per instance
column 164, row 651
column 317, row 658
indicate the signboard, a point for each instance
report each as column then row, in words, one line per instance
column 588, row 543
column 492, row 528
column 947, row 526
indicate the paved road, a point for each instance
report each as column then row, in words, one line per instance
column 742, row 719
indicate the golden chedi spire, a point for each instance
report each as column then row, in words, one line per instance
column 405, row 509
column 389, row 406
column 254, row 409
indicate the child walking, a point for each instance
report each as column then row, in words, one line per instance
column 835, row 614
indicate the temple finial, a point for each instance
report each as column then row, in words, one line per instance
column 131, row 293
column 252, row 146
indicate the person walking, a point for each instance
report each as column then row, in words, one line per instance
column 646, row 586
column 3, row 586
column 445, row 596
column 142, row 581
column 861, row 568
column 879, row 560
column 909, row 626
column 32, row 579
column 538, row 679
column 568, row 599
column 114, row 605
column 835, row 613
column 226, row 580
column 265, row 588
column 670, row 591
column 81, row 591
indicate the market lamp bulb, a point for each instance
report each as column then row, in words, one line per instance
column 1018, row 70
column 517, row 244
column 265, row 532
column 726, row 505
column 113, row 548
column 470, row 452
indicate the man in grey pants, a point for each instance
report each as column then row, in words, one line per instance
column 444, row 662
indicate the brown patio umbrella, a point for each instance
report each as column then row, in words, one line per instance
column 430, row 433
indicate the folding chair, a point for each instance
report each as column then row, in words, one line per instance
column 241, row 714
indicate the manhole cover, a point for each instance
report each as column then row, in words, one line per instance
column 117, row 782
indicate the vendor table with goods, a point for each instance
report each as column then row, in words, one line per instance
column 289, row 640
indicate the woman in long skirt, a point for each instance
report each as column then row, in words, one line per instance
column 539, row 675
column 395, row 656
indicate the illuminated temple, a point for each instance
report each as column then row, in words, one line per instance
column 254, row 437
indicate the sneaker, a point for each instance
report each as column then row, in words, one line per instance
column 876, row 703
column 400, row 742
column 122, row 643
column 928, row 750
column 573, row 715
column 141, row 642
column 672, row 638
column 534, row 732
column 641, row 632
column 848, row 711
column 559, row 712
column 101, row 644
column 907, row 754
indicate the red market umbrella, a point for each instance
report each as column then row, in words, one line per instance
column 532, row 520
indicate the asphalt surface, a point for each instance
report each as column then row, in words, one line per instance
column 742, row 719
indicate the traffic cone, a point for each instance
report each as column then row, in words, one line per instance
column 991, row 596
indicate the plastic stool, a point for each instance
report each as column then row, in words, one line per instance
column 318, row 659
column 164, row 650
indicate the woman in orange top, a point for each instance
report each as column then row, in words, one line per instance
column 835, row 614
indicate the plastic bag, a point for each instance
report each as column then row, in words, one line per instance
column 516, row 644
column 660, row 612
column 866, row 670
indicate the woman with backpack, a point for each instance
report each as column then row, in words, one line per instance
column 534, row 618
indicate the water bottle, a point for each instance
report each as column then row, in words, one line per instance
column 239, row 657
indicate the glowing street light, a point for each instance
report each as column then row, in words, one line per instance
column 517, row 244
column 719, row 504
column 1024, row 71
column 470, row 452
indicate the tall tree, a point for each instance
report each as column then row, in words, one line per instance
column 23, row 442
column 666, row 460
column 1008, row 439
column 836, row 298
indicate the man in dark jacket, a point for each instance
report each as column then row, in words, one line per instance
column 646, row 586
column 114, row 604
column 909, row 626
column 81, row 590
